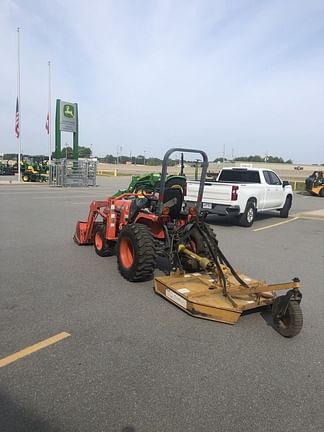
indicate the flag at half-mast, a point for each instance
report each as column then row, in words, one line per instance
column 47, row 124
column 17, row 126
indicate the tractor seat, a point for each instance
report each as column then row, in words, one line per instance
column 173, row 198
column 137, row 205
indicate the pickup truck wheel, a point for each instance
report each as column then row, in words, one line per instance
column 284, row 212
column 247, row 218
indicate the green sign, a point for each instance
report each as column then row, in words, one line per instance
column 66, row 120
column 68, row 117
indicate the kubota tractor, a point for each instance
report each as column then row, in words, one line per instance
column 142, row 226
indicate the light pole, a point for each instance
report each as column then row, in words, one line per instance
column 144, row 157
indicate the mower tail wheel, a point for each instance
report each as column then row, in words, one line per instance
column 103, row 247
column 136, row 255
column 291, row 323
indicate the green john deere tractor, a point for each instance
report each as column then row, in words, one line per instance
column 34, row 172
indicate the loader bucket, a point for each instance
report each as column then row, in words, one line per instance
column 80, row 236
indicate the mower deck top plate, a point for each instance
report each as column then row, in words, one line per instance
column 201, row 296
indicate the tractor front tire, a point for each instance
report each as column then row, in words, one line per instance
column 25, row 178
column 291, row 323
column 103, row 247
column 321, row 192
column 136, row 255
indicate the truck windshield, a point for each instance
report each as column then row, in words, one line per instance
column 239, row 176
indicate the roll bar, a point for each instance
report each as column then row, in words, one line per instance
column 164, row 174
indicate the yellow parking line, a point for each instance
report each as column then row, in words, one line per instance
column 33, row 348
column 276, row 224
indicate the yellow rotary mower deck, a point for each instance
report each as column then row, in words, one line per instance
column 202, row 296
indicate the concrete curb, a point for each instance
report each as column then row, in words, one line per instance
column 315, row 214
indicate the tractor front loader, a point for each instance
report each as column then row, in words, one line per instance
column 140, row 227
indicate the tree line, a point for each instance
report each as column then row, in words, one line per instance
column 256, row 158
column 86, row 152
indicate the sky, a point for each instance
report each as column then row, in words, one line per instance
column 233, row 77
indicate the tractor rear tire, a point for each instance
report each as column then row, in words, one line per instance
column 291, row 323
column 194, row 243
column 103, row 247
column 197, row 244
column 136, row 256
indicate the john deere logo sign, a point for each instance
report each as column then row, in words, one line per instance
column 68, row 116
column 68, row 111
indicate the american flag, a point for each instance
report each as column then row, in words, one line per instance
column 17, row 126
column 47, row 125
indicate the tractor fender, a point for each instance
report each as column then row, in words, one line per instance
column 153, row 225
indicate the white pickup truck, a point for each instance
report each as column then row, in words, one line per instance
column 242, row 192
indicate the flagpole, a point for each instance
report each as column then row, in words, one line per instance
column 19, row 106
column 49, row 115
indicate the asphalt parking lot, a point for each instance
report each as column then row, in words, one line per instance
column 127, row 360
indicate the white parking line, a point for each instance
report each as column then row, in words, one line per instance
column 276, row 224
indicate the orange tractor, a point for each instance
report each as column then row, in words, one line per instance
column 142, row 226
